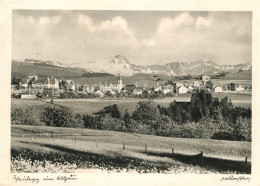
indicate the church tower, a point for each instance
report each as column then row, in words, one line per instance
column 119, row 83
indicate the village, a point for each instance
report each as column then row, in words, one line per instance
column 50, row 87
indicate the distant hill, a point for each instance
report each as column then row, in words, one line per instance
column 47, row 68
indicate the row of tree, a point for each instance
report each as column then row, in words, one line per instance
column 203, row 117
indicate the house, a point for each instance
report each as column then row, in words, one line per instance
column 24, row 83
column 157, row 88
column 67, row 84
column 218, row 88
column 99, row 93
column 190, row 88
column 88, row 88
column 128, row 88
column 224, row 88
column 51, row 82
column 28, row 96
column 72, row 87
column 15, row 91
column 205, row 78
column 137, row 91
column 112, row 92
column 179, row 84
column 32, row 81
column 167, row 88
column 182, row 90
column 240, row 88
column 39, row 83
column 196, row 83
column 108, row 87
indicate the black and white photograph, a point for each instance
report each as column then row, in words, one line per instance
column 131, row 92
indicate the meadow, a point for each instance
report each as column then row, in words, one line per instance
column 54, row 149
column 90, row 106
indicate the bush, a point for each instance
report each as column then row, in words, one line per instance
column 58, row 116
column 223, row 135
column 109, row 123
column 25, row 116
column 137, row 127
column 223, row 132
column 191, row 130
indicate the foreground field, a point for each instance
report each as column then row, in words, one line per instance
column 90, row 106
column 85, row 149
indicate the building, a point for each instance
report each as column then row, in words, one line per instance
column 205, row 78
column 190, row 88
column 128, row 88
column 32, row 81
column 28, row 96
column 182, row 90
column 51, row 82
column 68, row 84
column 119, row 84
column 137, row 91
column 240, row 88
column 99, row 93
column 196, row 83
column 111, row 86
column 157, row 88
column 167, row 88
column 179, row 84
column 108, row 87
column 218, row 89
column 24, row 83
column 88, row 88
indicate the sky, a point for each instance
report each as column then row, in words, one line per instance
column 143, row 37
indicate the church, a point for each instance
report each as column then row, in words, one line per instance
column 111, row 87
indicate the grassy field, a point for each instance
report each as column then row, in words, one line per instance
column 84, row 149
column 90, row 106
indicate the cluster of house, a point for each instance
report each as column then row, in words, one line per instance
column 34, row 84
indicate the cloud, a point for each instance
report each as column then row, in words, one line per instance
column 170, row 24
column 42, row 20
column 87, row 21
column 148, row 42
column 182, row 37
column 202, row 22
column 117, row 27
column 116, row 22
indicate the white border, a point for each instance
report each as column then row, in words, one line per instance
column 6, row 8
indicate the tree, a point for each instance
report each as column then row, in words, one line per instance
column 209, row 85
column 15, row 81
column 126, row 118
column 109, row 123
column 200, row 105
column 111, row 110
column 57, row 116
column 145, row 112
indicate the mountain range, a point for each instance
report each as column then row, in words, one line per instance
column 120, row 64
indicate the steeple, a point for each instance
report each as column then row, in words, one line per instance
column 119, row 83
